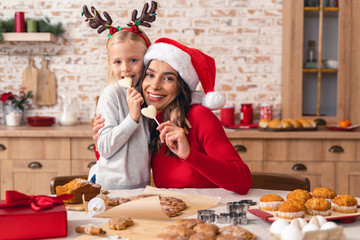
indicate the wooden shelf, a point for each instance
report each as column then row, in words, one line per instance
column 326, row 9
column 315, row 70
column 29, row 37
column 331, row 9
column 329, row 70
column 312, row 9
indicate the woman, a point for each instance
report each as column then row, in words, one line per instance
column 203, row 158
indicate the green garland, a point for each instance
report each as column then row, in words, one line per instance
column 44, row 25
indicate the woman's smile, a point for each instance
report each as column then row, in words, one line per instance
column 155, row 97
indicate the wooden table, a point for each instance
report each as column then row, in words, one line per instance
column 255, row 224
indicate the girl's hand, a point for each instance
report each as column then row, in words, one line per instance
column 174, row 137
column 175, row 118
column 98, row 124
column 134, row 100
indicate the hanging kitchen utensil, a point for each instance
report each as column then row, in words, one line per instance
column 46, row 85
column 29, row 79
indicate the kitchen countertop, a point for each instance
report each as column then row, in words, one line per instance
column 84, row 130
column 81, row 130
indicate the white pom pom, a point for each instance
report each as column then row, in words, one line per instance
column 213, row 100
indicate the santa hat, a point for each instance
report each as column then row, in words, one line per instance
column 192, row 65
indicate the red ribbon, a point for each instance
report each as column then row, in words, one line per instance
column 37, row 203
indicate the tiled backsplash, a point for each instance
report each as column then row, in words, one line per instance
column 244, row 37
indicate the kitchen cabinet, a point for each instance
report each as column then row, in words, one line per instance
column 31, row 156
column 30, row 163
column 313, row 92
column 82, row 155
column 251, row 151
column 29, row 37
column 329, row 159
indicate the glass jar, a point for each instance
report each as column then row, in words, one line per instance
column 311, row 52
column 12, row 115
column 68, row 112
column 246, row 113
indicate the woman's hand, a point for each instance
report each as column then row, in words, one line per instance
column 174, row 137
column 98, row 124
column 134, row 100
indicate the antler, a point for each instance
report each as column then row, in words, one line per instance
column 96, row 20
column 146, row 17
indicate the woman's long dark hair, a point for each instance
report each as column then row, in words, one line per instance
column 181, row 104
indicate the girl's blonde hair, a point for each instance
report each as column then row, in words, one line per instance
column 120, row 37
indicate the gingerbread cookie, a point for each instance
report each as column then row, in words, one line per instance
column 171, row 211
column 146, row 195
column 181, row 230
column 188, row 222
column 207, row 228
column 202, row 236
column 236, row 231
column 118, row 201
column 164, row 236
column 174, row 202
column 229, row 237
column 119, row 223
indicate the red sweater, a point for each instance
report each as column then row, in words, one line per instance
column 213, row 161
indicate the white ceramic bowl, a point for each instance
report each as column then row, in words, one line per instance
column 331, row 63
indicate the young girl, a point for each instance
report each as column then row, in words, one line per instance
column 122, row 163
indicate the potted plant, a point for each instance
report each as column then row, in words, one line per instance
column 14, row 106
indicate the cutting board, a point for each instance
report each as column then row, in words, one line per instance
column 29, row 78
column 46, row 85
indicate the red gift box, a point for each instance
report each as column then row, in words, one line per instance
column 32, row 217
column 25, row 223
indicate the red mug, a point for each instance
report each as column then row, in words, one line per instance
column 246, row 113
column 19, row 22
column 227, row 115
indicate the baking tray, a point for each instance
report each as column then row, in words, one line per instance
column 270, row 216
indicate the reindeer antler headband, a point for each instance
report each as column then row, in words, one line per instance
column 96, row 22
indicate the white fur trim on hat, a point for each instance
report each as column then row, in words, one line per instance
column 213, row 100
column 197, row 96
column 176, row 58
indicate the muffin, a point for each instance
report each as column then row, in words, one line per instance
column 274, row 124
column 263, row 123
column 295, row 124
column 318, row 206
column 344, row 204
column 286, row 124
column 299, row 195
column 322, row 192
column 291, row 209
column 307, row 123
column 270, row 202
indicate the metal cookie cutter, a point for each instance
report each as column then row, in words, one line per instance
column 236, row 212
column 207, row 216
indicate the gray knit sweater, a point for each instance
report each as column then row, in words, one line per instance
column 123, row 144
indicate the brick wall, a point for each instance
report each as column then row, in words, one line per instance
column 244, row 37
